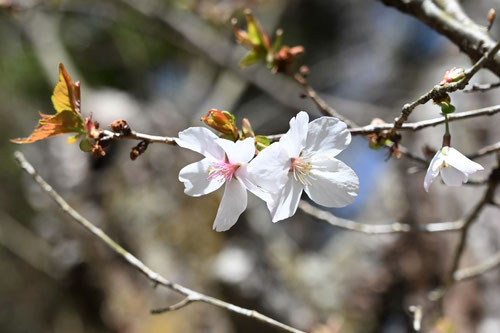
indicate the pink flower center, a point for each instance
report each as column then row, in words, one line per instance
column 301, row 168
column 222, row 171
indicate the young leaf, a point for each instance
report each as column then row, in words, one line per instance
column 66, row 94
column 66, row 121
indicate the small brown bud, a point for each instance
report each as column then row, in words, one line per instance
column 491, row 15
column 121, row 126
column 97, row 151
column 304, row 71
column 139, row 149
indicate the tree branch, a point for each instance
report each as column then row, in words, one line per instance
column 485, row 151
column 372, row 229
column 477, row 270
column 440, row 91
column 320, row 103
column 482, row 87
column 156, row 278
column 469, row 220
column 449, row 19
column 370, row 129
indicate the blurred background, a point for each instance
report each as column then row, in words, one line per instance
column 161, row 65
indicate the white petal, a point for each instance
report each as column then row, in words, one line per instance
column 287, row 201
column 294, row 140
column 240, row 151
column 327, row 134
column 234, row 202
column 433, row 170
column 457, row 160
column 269, row 169
column 200, row 140
column 333, row 186
column 453, row 177
column 195, row 178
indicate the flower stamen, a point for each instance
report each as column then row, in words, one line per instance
column 222, row 171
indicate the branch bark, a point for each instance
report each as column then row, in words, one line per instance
column 448, row 18
column 156, row 278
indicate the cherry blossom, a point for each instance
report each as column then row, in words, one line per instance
column 453, row 166
column 304, row 160
column 225, row 162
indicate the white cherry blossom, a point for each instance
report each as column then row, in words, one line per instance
column 304, row 160
column 225, row 162
column 453, row 166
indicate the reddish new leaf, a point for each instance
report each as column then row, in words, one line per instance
column 66, row 121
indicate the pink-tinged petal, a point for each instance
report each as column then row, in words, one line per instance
column 200, row 140
column 433, row 170
column 453, row 177
column 233, row 203
column 195, row 178
column 269, row 169
column 457, row 160
column 240, row 151
column 333, row 185
column 287, row 201
column 294, row 140
column 327, row 134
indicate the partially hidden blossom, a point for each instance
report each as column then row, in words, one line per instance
column 453, row 166
column 226, row 163
column 304, row 160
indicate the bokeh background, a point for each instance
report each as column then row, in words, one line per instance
column 161, row 65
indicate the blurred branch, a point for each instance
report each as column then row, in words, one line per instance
column 391, row 228
column 369, row 129
column 448, row 18
column 14, row 237
column 418, row 314
column 485, row 151
column 477, row 270
column 440, row 91
column 156, row 278
column 482, row 87
column 320, row 103
column 469, row 220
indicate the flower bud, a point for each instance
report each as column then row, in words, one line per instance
column 246, row 128
column 223, row 122
column 453, row 75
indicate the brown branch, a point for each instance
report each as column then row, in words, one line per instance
column 156, row 278
column 481, row 87
column 477, row 270
column 372, row 229
column 184, row 302
column 440, row 91
column 448, row 18
column 469, row 220
column 485, row 151
column 320, row 103
column 416, row 126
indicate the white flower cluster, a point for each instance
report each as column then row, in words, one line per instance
column 302, row 160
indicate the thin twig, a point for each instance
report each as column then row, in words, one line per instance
column 370, row 129
column 481, row 87
column 479, row 269
column 440, row 91
column 153, row 276
column 320, row 103
column 372, row 229
column 418, row 314
column 184, row 302
column 469, row 220
column 485, row 151
column 139, row 136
